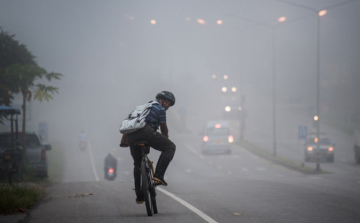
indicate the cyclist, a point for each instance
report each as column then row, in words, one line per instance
column 156, row 140
column 82, row 139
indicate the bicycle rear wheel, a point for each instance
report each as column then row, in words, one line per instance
column 145, row 187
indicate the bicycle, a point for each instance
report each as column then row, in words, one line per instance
column 147, row 183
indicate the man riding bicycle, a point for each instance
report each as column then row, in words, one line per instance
column 156, row 140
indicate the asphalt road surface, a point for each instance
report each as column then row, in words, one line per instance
column 236, row 187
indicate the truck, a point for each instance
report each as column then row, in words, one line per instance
column 35, row 151
column 357, row 146
column 10, row 153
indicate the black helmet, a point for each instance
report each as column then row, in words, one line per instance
column 166, row 95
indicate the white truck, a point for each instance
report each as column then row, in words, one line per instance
column 357, row 146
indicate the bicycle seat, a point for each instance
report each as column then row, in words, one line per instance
column 141, row 144
column 144, row 146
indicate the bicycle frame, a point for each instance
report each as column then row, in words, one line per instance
column 147, row 183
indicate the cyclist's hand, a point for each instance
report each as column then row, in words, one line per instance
column 124, row 144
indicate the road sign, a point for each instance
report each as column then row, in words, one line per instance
column 302, row 131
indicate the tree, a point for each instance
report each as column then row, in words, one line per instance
column 11, row 52
column 24, row 78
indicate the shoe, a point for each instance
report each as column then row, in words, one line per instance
column 159, row 181
column 139, row 197
column 139, row 200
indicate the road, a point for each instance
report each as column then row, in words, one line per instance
column 239, row 187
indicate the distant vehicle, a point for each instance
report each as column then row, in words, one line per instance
column 82, row 140
column 217, row 137
column 35, row 152
column 110, row 166
column 326, row 148
column 357, row 146
column 232, row 112
column 82, row 145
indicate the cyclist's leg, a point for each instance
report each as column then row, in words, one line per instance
column 136, row 154
column 167, row 148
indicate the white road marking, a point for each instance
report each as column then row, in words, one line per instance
column 229, row 173
column 235, row 156
column 92, row 162
column 189, row 206
column 188, row 170
column 192, row 150
column 126, row 172
column 261, row 168
column 219, row 167
column 245, row 169
column 314, row 178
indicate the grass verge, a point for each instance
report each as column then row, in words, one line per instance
column 29, row 189
column 18, row 197
column 276, row 159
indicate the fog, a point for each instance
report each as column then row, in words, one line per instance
column 113, row 59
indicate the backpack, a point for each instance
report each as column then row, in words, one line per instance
column 136, row 119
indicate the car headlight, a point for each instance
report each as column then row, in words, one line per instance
column 330, row 149
column 310, row 149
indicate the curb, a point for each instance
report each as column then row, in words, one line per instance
column 277, row 159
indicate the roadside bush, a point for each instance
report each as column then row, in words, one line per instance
column 18, row 197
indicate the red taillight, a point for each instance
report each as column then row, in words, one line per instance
column 43, row 155
column 111, row 170
column 206, row 138
column 231, row 139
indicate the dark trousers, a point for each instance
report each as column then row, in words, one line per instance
column 156, row 141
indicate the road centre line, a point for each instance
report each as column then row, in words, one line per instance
column 92, row 162
column 189, row 206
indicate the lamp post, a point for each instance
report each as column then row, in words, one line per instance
column 319, row 13
column 274, row 89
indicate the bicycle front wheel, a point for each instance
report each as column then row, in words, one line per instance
column 145, row 187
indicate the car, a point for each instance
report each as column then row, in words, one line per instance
column 326, row 148
column 35, row 152
column 216, row 137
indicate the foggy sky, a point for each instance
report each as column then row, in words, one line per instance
column 112, row 58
